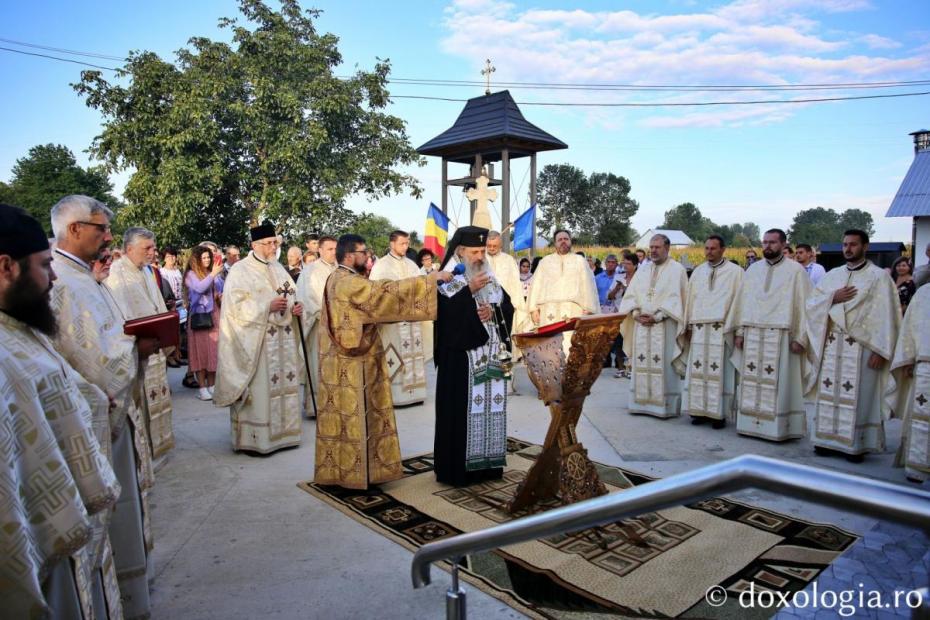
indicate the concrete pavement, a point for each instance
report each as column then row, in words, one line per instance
column 235, row 537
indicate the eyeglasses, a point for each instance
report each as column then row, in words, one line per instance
column 104, row 228
column 359, row 252
column 272, row 242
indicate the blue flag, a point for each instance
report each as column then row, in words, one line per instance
column 523, row 230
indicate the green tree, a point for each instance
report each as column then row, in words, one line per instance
column 857, row 218
column 687, row 218
column 375, row 229
column 611, row 209
column 48, row 173
column 260, row 128
column 563, row 198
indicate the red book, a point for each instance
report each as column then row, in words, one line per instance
column 163, row 327
column 552, row 328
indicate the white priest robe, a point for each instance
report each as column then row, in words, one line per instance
column 258, row 372
column 910, row 395
column 310, row 293
column 710, row 382
column 404, row 344
column 849, row 405
column 769, row 315
column 563, row 287
column 656, row 352
column 56, row 483
column 138, row 296
column 505, row 270
column 91, row 339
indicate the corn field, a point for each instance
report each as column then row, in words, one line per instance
column 694, row 254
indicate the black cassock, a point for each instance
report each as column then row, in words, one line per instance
column 457, row 330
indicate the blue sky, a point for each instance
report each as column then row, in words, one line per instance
column 743, row 163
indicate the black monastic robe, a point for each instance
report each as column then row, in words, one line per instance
column 457, row 330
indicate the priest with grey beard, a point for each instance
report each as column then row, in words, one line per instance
column 471, row 347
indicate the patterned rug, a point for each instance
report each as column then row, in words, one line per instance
column 657, row 565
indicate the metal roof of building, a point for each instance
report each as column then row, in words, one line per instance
column 913, row 197
column 487, row 125
column 675, row 237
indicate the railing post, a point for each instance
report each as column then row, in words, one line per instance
column 455, row 595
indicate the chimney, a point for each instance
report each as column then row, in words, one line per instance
column 921, row 140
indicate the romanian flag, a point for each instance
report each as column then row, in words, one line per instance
column 437, row 231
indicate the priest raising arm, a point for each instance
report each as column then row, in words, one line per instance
column 356, row 436
column 852, row 324
column 258, row 371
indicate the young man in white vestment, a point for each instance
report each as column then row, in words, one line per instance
column 852, row 324
column 770, row 338
column 710, row 382
column 563, row 287
column 310, row 296
column 910, row 396
column 92, row 341
column 56, row 481
column 654, row 332
column 259, row 369
column 138, row 296
column 403, row 342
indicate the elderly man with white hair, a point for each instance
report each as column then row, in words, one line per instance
column 138, row 295
column 93, row 342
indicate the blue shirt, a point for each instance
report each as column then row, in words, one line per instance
column 604, row 283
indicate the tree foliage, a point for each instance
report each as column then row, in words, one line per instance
column 687, row 217
column 48, row 173
column 375, row 229
column 819, row 225
column 230, row 134
column 595, row 208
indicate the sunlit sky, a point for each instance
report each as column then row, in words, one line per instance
column 758, row 163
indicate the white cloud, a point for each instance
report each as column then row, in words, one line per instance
column 877, row 42
column 742, row 42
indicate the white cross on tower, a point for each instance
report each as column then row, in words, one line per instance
column 486, row 72
column 481, row 195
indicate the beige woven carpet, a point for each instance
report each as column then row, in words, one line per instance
column 657, row 565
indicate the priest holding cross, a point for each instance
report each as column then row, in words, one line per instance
column 259, row 372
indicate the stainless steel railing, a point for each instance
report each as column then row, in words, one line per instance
column 881, row 500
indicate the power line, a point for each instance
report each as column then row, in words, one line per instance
column 61, row 49
column 660, row 88
column 658, row 104
column 537, row 85
column 676, row 104
column 77, row 62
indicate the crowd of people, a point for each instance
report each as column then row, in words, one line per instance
column 342, row 336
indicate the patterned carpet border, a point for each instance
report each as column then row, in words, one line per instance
column 787, row 565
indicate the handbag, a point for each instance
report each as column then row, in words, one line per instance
column 201, row 320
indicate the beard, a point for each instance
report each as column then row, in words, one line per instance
column 361, row 263
column 27, row 303
column 852, row 257
column 771, row 254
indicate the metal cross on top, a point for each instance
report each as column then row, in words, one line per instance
column 486, row 72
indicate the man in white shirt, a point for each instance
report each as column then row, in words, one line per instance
column 805, row 255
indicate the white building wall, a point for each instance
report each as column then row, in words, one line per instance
column 922, row 238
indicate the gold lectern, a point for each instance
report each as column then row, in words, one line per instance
column 563, row 470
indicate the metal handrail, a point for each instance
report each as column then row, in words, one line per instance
column 882, row 500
